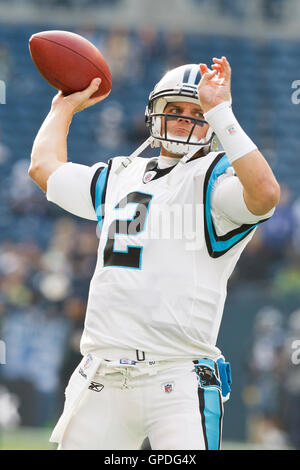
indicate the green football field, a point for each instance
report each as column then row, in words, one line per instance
column 38, row 439
column 26, row 439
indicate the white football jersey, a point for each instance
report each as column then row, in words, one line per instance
column 162, row 267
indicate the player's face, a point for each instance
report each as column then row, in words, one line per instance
column 181, row 126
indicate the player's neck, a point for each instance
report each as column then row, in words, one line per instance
column 165, row 162
column 165, row 153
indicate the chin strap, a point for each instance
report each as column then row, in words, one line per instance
column 189, row 155
column 212, row 147
column 129, row 159
column 124, row 164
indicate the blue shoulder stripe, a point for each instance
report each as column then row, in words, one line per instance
column 218, row 245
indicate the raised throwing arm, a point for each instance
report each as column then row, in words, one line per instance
column 261, row 190
column 49, row 149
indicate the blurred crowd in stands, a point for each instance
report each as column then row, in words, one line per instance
column 271, row 390
column 47, row 257
column 271, row 10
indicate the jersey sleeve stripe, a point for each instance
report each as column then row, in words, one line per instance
column 218, row 245
column 98, row 189
column 93, row 184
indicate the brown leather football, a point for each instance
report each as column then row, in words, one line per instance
column 69, row 62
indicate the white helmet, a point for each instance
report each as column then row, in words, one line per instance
column 179, row 84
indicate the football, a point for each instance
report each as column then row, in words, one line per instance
column 69, row 62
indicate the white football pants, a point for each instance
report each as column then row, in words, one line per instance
column 118, row 405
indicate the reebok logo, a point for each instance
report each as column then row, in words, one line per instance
column 96, row 387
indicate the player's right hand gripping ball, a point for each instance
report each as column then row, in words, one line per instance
column 69, row 62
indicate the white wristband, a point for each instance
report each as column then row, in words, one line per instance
column 233, row 139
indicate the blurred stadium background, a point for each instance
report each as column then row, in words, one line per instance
column 47, row 257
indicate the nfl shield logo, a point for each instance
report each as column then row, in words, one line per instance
column 231, row 129
column 169, row 387
column 149, row 176
column 88, row 361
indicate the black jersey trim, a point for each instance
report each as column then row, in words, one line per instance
column 153, row 166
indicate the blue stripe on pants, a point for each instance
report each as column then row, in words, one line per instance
column 211, row 409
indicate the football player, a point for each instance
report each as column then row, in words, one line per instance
column 150, row 364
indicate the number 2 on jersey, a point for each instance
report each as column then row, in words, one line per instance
column 132, row 257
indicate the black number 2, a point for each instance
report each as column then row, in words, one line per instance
column 132, row 258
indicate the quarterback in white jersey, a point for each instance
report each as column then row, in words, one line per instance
column 171, row 228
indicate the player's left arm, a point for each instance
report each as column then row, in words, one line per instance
column 261, row 190
column 228, row 207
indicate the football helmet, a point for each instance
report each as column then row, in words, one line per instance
column 179, row 84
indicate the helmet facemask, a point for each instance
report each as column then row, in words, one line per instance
column 171, row 88
column 179, row 84
column 176, row 144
